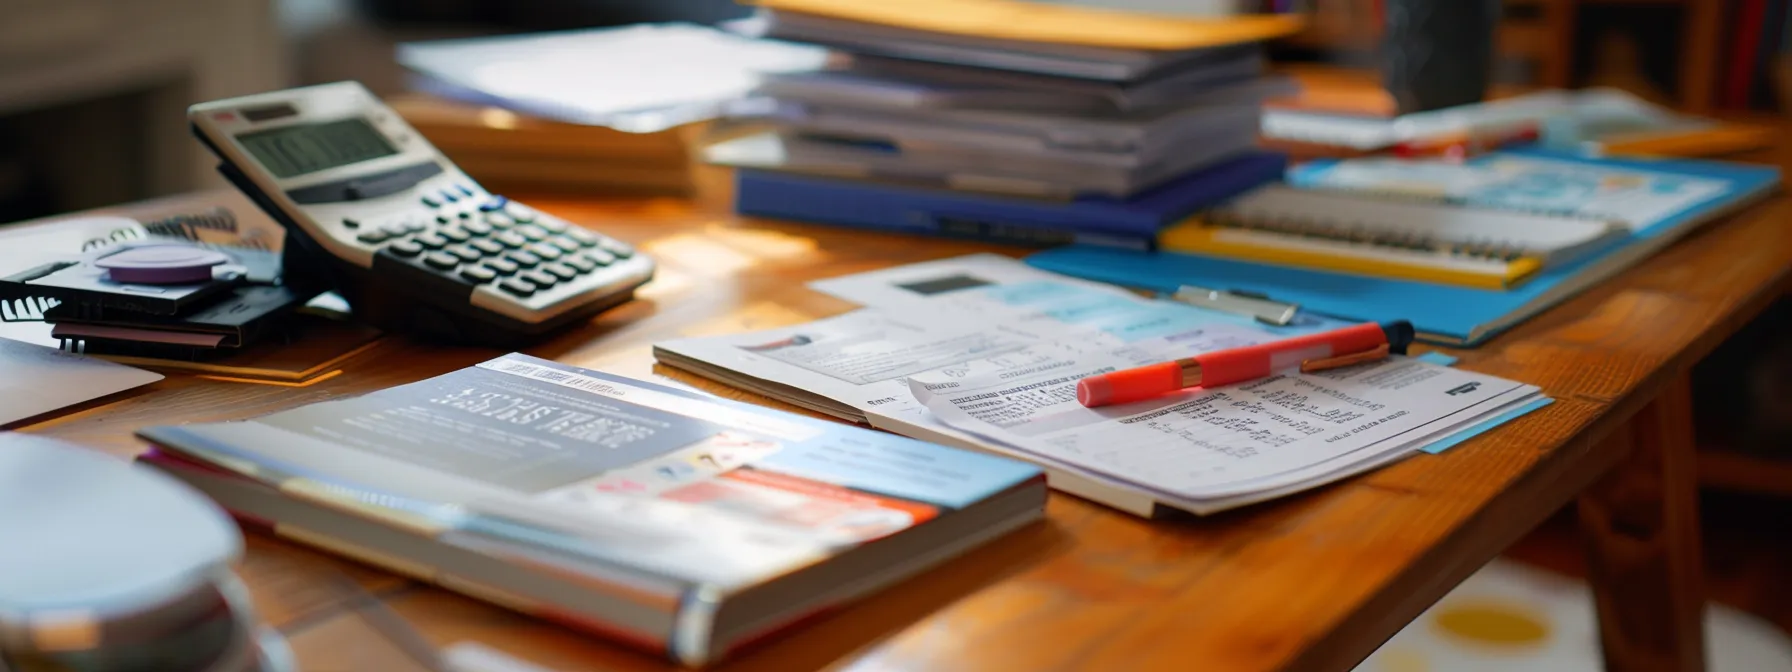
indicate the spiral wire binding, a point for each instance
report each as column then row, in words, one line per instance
column 1356, row 234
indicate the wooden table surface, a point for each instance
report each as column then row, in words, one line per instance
column 1315, row 581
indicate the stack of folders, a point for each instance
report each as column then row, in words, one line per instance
column 1021, row 122
column 681, row 523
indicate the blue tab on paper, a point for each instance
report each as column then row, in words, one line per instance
column 1477, row 430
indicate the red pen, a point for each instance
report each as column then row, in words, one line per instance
column 1312, row 352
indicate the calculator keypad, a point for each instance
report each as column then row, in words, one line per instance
column 497, row 242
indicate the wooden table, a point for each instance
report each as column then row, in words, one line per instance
column 1316, row 581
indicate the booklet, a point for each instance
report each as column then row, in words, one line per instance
column 680, row 522
column 984, row 352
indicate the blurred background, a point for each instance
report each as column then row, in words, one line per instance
column 92, row 91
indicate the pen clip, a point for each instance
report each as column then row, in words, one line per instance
column 1261, row 308
column 1379, row 352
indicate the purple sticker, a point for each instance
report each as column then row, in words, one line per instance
column 161, row 264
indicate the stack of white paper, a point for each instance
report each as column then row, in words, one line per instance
column 984, row 352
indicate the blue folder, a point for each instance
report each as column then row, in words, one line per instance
column 1131, row 222
column 1445, row 314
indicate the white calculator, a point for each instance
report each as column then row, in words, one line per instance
column 411, row 241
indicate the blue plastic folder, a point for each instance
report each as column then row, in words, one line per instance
column 1532, row 179
column 1131, row 222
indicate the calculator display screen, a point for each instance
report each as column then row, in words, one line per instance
column 308, row 148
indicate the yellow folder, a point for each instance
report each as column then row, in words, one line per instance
column 1052, row 23
column 1198, row 236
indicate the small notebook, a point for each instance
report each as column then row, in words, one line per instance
column 1406, row 238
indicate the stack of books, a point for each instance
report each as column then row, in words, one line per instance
column 1016, row 110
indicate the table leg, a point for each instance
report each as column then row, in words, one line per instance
column 1640, row 524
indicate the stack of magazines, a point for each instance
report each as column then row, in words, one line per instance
column 1020, row 99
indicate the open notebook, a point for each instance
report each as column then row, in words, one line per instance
column 1407, row 238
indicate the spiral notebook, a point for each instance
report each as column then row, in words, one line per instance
column 1427, row 240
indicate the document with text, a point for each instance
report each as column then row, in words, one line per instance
column 984, row 352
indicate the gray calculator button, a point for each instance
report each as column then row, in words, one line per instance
column 373, row 236
column 500, row 220
column 585, row 238
column 432, row 240
column 351, row 222
column 487, row 246
column 415, row 226
column 524, row 259
column 443, row 219
column 395, row 228
column 477, row 228
column 465, row 253
column 552, row 225
column 478, row 274
column 511, row 239
column 601, row 257
column 441, row 260
column 519, row 212
column 533, row 233
column 561, row 271
column 430, row 202
column 517, row 286
column 502, row 266
column 621, row 249
column 542, row 280
column 565, row 244
column 455, row 233
column 546, row 251
column 406, row 248
column 584, row 263
column 465, row 214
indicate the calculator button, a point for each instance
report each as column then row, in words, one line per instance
column 465, row 214
column 430, row 202
column 546, row 251
column 477, row 228
column 524, row 259
column 395, row 228
column 465, row 253
column 511, row 239
column 502, row 266
column 584, row 263
column 487, row 246
column 519, row 212
column 601, row 257
column 455, row 234
column 443, row 219
column 415, row 226
column 517, row 286
column 406, row 248
column 478, row 274
column 373, row 236
column 542, row 280
column 552, row 225
column 351, row 222
column 535, row 234
column 621, row 249
column 495, row 204
column 500, row 220
column 585, row 238
column 565, row 244
column 464, row 191
column 450, row 196
column 441, row 260
column 432, row 240
column 561, row 271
